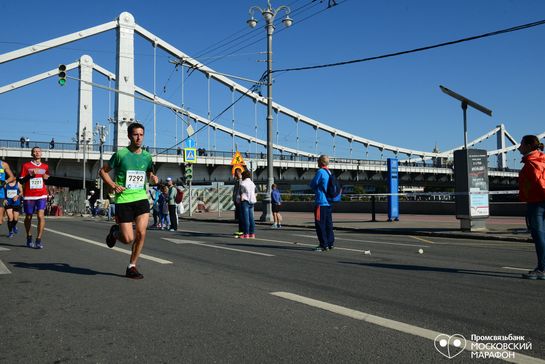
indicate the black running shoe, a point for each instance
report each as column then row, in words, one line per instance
column 110, row 239
column 133, row 273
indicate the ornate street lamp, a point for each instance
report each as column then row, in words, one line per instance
column 269, row 14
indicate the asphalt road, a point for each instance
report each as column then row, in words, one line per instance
column 209, row 298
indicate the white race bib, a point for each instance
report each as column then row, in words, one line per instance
column 11, row 193
column 135, row 180
column 36, row 183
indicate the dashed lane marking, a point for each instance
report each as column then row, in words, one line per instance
column 400, row 326
column 287, row 242
column 103, row 245
column 371, row 242
column 179, row 241
column 303, row 244
column 4, row 269
column 314, row 245
column 2, row 249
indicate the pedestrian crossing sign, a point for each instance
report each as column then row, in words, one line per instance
column 190, row 155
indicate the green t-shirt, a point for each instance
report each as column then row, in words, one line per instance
column 131, row 172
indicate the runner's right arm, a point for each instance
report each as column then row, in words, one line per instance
column 104, row 174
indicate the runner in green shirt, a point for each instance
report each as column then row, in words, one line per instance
column 133, row 169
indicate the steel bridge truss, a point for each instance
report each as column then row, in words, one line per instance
column 126, row 89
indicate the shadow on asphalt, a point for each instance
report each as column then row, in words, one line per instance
column 436, row 269
column 14, row 245
column 62, row 268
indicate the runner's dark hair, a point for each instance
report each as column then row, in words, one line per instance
column 133, row 126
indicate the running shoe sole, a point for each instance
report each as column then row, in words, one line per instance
column 110, row 239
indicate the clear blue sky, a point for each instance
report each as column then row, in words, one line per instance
column 395, row 101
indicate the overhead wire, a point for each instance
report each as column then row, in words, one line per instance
column 251, row 89
column 421, row 49
column 255, row 37
column 296, row 11
column 256, row 87
column 252, row 33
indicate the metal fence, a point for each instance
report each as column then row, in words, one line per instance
column 70, row 202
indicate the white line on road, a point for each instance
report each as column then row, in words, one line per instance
column 3, row 249
column 4, row 269
column 179, row 241
column 515, row 268
column 303, row 244
column 103, row 245
column 314, row 245
column 371, row 242
column 399, row 326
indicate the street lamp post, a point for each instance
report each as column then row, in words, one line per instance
column 101, row 133
column 84, row 143
column 269, row 14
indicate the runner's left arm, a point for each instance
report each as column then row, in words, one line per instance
column 20, row 190
column 153, row 178
column 151, row 174
column 46, row 174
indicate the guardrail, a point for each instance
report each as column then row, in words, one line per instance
column 16, row 144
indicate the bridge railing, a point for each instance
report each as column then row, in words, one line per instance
column 16, row 144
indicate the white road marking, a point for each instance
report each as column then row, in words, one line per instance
column 103, row 245
column 179, row 241
column 421, row 239
column 2, row 249
column 4, row 269
column 515, row 268
column 370, row 242
column 303, row 244
column 398, row 326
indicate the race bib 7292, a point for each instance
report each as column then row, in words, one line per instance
column 135, row 180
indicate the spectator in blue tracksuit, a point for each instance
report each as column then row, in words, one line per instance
column 323, row 220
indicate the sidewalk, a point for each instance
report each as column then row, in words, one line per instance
column 499, row 227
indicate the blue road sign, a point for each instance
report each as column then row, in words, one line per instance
column 190, row 155
column 190, row 143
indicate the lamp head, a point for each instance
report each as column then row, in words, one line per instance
column 287, row 21
column 252, row 22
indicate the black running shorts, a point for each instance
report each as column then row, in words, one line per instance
column 127, row 212
column 14, row 208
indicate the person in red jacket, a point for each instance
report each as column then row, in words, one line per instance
column 532, row 191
